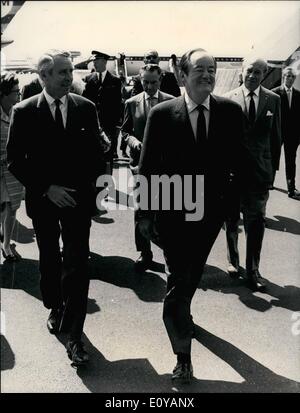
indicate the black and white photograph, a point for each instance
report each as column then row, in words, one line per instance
column 150, row 188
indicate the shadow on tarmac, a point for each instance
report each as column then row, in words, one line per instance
column 283, row 224
column 119, row 271
column 23, row 234
column 138, row 375
column 7, row 355
column 218, row 280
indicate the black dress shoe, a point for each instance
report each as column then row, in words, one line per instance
column 256, row 281
column 294, row 194
column 183, row 372
column 143, row 263
column 53, row 322
column 76, row 353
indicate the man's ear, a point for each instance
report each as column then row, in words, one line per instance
column 181, row 74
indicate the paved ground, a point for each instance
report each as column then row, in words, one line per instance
column 245, row 342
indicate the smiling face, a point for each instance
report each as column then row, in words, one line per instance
column 58, row 78
column 289, row 78
column 199, row 81
column 253, row 73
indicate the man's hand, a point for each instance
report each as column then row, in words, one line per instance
column 147, row 228
column 137, row 146
column 60, row 197
column 105, row 142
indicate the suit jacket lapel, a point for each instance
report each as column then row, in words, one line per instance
column 213, row 124
column 141, row 105
column 44, row 110
column 182, row 117
column 71, row 114
column 262, row 101
column 240, row 99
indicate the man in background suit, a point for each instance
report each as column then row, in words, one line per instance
column 55, row 149
column 104, row 89
column 32, row 88
column 262, row 143
column 189, row 136
column 136, row 111
column 168, row 81
column 290, row 126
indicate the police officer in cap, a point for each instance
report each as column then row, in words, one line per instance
column 104, row 89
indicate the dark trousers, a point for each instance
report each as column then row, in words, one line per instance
column 253, row 207
column 290, row 152
column 64, row 279
column 185, row 253
column 113, row 135
column 142, row 244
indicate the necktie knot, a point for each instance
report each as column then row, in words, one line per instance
column 251, row 94
column 200, row 108
column 57, row 103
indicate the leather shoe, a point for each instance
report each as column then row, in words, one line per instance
column 143, row 263
column 256, row 281
column 53, row 322
column 295, row 194
column 183, row 372
column 76, row 353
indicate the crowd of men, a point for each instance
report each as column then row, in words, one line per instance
column 60, row 142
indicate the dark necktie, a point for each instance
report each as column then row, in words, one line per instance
column 201, row 138
column 252, row 112
column 58, row 116
column 100, row 79
column 289, row 96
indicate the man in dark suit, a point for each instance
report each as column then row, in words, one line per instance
column 104, row 89
column 290, row 126
column 55, row 149
column 32, row 88
column 187, row 137
column 262, row 143
column 136, row 111
column 168, row 81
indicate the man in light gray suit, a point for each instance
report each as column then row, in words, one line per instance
column 262, row 141
column 137, row 109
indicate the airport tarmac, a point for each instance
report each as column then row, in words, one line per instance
column 245, row 342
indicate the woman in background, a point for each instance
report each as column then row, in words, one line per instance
column 11, row 189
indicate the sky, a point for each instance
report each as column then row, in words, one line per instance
column 225, row 28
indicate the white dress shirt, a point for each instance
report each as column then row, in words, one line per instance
column 193, row 112
column 248, row 97
column 289, row 93
column 63, row 106
column 103, row 74
column 148, row 102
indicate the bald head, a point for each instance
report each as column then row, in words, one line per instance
column 253, row 72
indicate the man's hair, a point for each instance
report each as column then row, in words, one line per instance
column 288, row 69
column 249, row 60
column 8, row 81
column 150, row 67
column 46, row 61
column 185, row 60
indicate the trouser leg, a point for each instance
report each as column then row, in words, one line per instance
column 75, row 281
column 185, row 261
column 47, row 229
column 254, row 213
